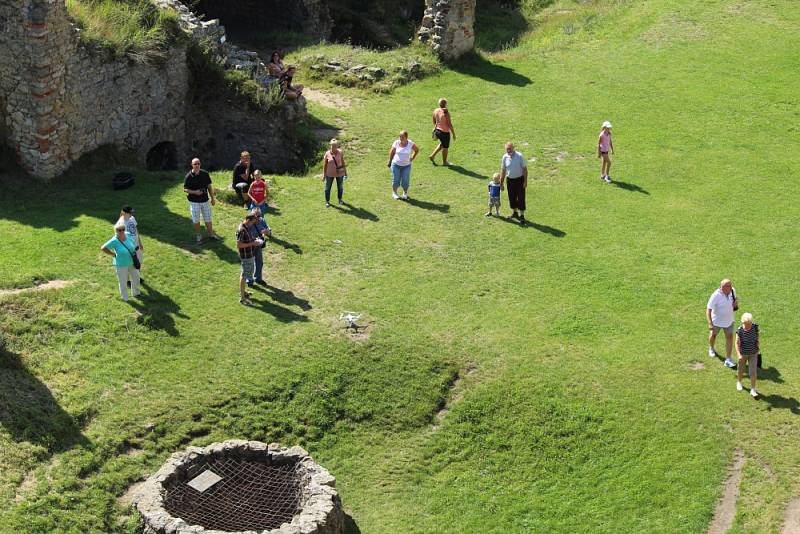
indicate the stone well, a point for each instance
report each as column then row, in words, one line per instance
column 240, row 487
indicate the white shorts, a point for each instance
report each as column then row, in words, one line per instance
column 200, row 208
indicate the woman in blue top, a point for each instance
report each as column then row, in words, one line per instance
column 122, row 248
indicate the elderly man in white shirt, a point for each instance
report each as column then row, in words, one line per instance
column 719, row 312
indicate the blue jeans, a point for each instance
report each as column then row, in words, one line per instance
column 262, row 207
column 339, row 187
column 257, row 272
column 401, row 176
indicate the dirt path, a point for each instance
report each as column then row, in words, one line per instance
column 726, row 508
column 791, row 521
column 52, row 284
column 329, row 100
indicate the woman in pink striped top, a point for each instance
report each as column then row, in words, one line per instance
column 604, row 146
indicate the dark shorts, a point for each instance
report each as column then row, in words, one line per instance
column 604, row 153
column 443, row 137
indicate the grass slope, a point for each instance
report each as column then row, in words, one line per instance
column 582, row 413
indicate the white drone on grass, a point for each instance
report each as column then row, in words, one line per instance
column 350, row 318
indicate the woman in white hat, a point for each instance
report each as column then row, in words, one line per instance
column 604, row 146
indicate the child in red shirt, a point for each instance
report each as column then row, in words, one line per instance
column 258, row 192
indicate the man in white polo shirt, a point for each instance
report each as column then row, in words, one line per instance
column 719, row 313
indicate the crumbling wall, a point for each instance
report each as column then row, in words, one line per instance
column 447, row 27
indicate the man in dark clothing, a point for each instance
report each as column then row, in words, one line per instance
column 198, row 189
column 243, row 177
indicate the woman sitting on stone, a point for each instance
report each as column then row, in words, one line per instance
column 291, row 92
column 275, row 65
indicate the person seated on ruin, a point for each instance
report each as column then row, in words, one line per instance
column 242, row 178
column 291, row 92
column 275, row 66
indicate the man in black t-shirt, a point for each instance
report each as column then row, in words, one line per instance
column 247, row 245
column 198, row 189
column 243, row 177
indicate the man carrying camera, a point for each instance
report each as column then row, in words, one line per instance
column 719, row 312
column 247, row 245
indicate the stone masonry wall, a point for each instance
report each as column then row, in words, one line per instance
column 447, row 27
column 60, row 100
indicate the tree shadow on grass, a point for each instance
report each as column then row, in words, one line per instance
column 441, row 208
column 776, row 401
column 30, row 413
column 474, row 64
column 466, row 172
column 359, row 213
column 157, row 311
column 549, row 230
column 73, row 197
column 630, row 187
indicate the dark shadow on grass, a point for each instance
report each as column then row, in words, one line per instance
column 30, row 413
column 73, row 197
column 466, row 172
column 359, row 213
column 281, row 313
column 285, row 244
column 157, row 311
column 474, row 64
column 555, row 232
column 350, row 526
column 630, row 187
column 284, row 297
column 776, row 401
column 770, row 373
column 441, row 208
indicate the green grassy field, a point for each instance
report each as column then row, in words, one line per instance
column 572, row 343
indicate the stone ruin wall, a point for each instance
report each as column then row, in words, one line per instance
column 447, row 27
column 60, row 100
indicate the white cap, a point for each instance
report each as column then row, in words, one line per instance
column 606, row 124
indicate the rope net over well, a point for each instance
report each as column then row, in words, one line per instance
column 251, row 495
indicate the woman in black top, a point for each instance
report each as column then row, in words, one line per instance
column 747, row 346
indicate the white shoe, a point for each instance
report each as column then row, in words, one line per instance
column 607, row 179
column 753, row 393
column 404, row 197
column 712, row 353
column 394, row 196
column 739, row 386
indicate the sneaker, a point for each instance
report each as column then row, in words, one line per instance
column 711, row 352
column 608, row 179
column 327, row 204
column 404, row 197
column 522, row 220
column 602, row 176
column 199, row 239
column 341, row 202
column 261, row 282
column 243, row 300
column 488, row 213
column 215, row 237
column 729, row 363
column 394, row 196
column 739, row 386
column 753, row 393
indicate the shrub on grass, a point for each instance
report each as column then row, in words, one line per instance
column 135, row 29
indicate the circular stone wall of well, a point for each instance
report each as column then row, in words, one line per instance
column 240, row 486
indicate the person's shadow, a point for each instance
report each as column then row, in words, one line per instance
column 284, row 296
column 281, row 313
column 286, row 245
column 630, row 187
column 776, row 401
column 157, row 311
column 359, row 213
column 30, row 413
column 770, row 373
column 350, row 526
column 549, row 230
column 441, row 208
column 466, row 172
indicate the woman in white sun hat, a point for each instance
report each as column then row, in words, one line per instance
column 747, row 348
column 604, row 146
